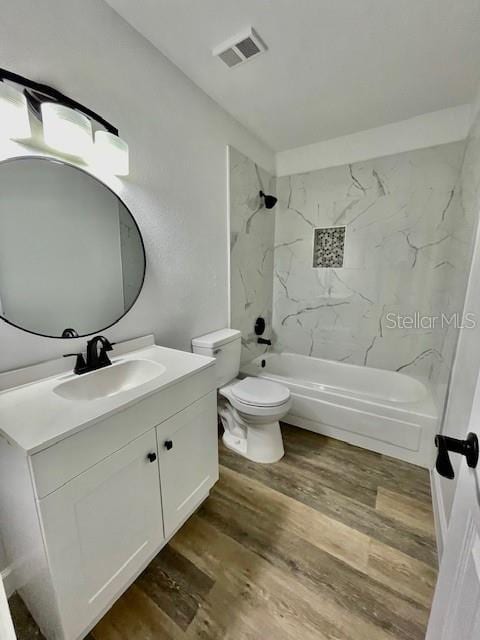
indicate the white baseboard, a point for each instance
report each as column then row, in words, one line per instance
column 441, row 524
column 7, row 579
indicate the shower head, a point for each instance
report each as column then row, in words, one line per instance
column 270, row 201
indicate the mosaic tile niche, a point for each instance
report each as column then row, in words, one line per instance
column 328, row 247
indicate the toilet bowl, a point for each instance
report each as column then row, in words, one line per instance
column 250, row 408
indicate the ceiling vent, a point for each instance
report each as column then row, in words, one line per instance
column 243, row 47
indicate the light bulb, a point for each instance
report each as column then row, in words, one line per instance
column 66, row 130
column 112, row 153
column 14, row 120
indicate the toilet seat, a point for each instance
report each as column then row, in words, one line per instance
column 277, row 394
column 260, row 393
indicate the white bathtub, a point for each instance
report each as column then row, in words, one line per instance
column 384, row 411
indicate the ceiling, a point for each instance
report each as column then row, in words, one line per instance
column 333, row 67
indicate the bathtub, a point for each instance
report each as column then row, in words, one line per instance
column 384, row 411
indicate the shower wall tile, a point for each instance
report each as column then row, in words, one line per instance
column 252, row 230
column 457, row 261
column 406, row 250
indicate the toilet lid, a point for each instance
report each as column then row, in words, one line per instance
column 260, row 393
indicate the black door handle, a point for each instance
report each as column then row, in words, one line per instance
column 152, row 457
column 467, row 448
column 168, row 444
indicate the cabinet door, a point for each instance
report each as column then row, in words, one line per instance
column 188, row 452
column 100, row 530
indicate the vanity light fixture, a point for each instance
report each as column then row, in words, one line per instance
column 66, row 130
column 14, row 120
column 67, row 124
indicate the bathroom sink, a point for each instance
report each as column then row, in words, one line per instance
column 109, row 381
column 46, row 403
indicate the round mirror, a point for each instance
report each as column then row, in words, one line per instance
column 72, row 260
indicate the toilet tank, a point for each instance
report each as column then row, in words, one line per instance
column 225, row 346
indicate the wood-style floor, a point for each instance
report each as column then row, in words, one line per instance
column 333, row 542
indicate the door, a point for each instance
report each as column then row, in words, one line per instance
column 7, row 631
column 456, row 606
column 100, row 530
column 188, row 452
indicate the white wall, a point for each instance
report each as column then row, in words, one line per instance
column 427, row 130
column 177, row 185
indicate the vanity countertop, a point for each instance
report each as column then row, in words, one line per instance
column 33, row 416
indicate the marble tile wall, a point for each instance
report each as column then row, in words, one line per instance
column 252, row 230
column 467, row 355
column 406, row 251
column 457, row 258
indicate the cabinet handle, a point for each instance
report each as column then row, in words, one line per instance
column 168, row 444
column 151, row 457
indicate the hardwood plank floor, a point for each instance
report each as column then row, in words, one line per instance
column 331, row 543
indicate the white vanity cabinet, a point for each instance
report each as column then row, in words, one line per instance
column 100, row 527
column 85, row 515
column 188, row 453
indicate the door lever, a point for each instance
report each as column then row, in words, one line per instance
column 467, row 448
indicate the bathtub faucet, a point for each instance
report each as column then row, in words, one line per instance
column 264, row 341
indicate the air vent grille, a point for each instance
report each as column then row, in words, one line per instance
column 240, row 49
column 230, row 57
column 248, row 48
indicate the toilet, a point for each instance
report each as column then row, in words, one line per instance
column 250, row 408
